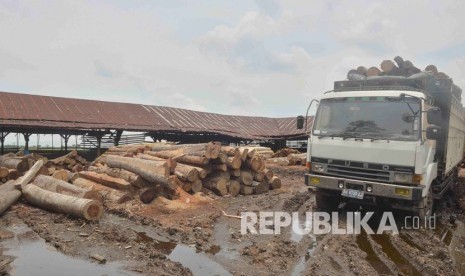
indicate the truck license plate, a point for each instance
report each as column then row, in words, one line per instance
column 353, row 193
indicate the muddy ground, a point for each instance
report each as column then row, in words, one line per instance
column 192, row 236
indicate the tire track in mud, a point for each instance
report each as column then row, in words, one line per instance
column 372, row 257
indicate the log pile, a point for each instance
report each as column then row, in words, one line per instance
column 224, row 170
column 264, row 152
column 400, row 68
column 71, row 162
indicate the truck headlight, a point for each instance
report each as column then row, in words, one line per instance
column 318, row 168
column 403, row 177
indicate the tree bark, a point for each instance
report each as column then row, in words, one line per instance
column 29, row 175
column 79, row 207
column 217, row 185
column 115, row 196
column 59, row 186
column 17, row 163
column 180, row 157
column 7, row 199
column 234, row 187
column 187, row 172
column 106, row 180
column 134, row 179
column 144, row 168
column 170, row 162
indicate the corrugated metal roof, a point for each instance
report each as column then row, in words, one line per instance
column 23, row 110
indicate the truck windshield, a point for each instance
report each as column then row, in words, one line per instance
column 369, row 117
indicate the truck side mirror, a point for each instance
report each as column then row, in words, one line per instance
column 300, row 122
column 433, row 116
column 433, row 133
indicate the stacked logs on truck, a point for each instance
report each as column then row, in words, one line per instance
column 400, row 68
column 155, row 169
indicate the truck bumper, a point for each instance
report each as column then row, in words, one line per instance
column 386, row 190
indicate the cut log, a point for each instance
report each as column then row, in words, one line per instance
column 148, row 194
column 244, row 153
column 245, row 178
column 260, row 187
column 222, row 158
column 432, row 69
column 7, row 199
column 144, row 168
column 17, row 163
column 196, row 186
column 254, row 163
column 70, row 205
column 115, row 196
column 181, row 158
column 387, row 66
column 362, row 70
column 21, row 182
column 234, row 162
column 275, row 183
column 77, row 168
column 246, row 190
column 258, row 176
column 231, row 151
column 373, row 72
column 4, row 172
column 106, row 180
column 268, row 174
column 217, row 185
column 234, row 187
column 235, row 173
column 134, row 179
column 170, row 162
column 187, row 172
column 219, row 167
column 13, row 174
column 61, row 175
column 281, row 161
column 52, row 184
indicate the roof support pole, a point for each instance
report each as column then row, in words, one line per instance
column 66, row 138
column 26, row 141
column 117, row 137
column 2, row 140
column 99, row 136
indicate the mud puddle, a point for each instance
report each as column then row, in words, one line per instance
column 33, row 256
column 198, row 262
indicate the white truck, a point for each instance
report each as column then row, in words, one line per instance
column 386, row 140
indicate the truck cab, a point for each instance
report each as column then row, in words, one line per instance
column 391, row 141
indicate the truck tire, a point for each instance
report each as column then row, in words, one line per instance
column 326, row 202
column 426, row 207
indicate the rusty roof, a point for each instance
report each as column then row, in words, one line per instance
column 34, row 111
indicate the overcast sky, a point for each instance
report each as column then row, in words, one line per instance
column 262, row 57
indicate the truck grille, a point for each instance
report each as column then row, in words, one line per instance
column 359, row 173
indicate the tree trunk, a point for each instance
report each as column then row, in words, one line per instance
column 373, row 72
column 7, row 199
column 148, row 194
column 79, row 207
column 106, row 180
column 231, row 151
column 244, row 153
column 59, row 186
column 217, row 185
column 235, row 173
column 234, row 187
column 109, row 194
column 144, row 168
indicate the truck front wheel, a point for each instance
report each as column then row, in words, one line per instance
column 425, row 209
column 326, row 202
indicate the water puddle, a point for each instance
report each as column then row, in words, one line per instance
column 300, row 266
column 33, row 256
column 372, row 258
column 388, row 248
